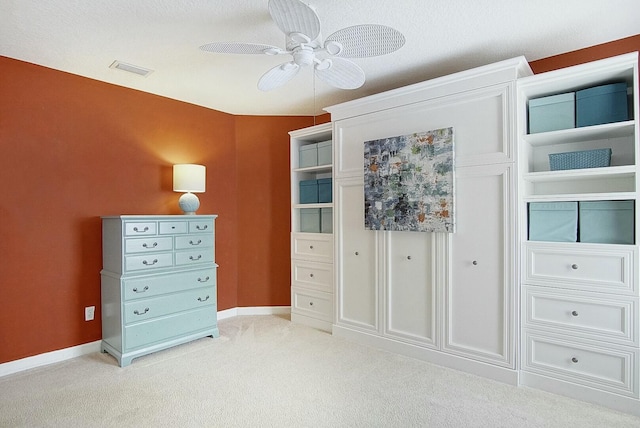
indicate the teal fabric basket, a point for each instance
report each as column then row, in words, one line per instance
column 309, row 191
column 552, row 113
column 310, row 221
column 325, row 191
column 326, row 220
column 553, row 221
column 598, row 158
column 308, row 156
column 607, row 222
column 602, row 104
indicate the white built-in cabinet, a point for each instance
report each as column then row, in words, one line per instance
column 446, row 298
column 580, row 301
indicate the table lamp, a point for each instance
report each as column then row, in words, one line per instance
column 189, row 178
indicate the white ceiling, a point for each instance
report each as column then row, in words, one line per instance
column 84, row 37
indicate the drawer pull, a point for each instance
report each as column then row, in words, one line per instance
column 203, row 280
column 146, row 229
column 574, row 360
column 475, row 263
column 310, row 303
column 144, row 262
column 155, row 244
column 202, row 227
column 574, row 313
column 311, row 247
column 357, row 253
column 574, row 266
column 137, row 312
column 200, row 299
column 408, row 257
column 195, row 258
column 135, row 289
column 311, row 275
column 196, row 243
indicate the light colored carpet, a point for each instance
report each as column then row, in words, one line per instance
column 264, row 371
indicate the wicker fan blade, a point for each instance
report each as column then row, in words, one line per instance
column 278, row 76
column 363, row 41
column 340, row 73
column 293, row 16
column 240, row 48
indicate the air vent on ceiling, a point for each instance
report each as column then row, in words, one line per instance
column 131, row 68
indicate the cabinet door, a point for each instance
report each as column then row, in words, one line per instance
column 410, row 288
column 478, row 294
column 356, row 259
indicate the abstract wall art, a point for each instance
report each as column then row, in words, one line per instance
column 409, row 182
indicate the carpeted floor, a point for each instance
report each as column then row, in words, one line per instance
column 264, row 371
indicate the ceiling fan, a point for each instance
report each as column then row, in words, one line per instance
column 301, row 26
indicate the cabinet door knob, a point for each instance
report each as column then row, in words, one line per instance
column 310, row 303
column 574, row 266
column 574, row 360
column 311, row 275
column 311, row 247
column 475, row 263
column 356, row 253
column 574, row 313
column 408, row 257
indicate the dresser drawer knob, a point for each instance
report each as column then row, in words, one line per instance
column 203, row 280
column 195, row 258
column 574, row 313
column 574, row 360
column 135, row 289
column 408, row 257
column 146, row 229
column 200, row 299
column 475, row 263
column 357, row 253
column 144, row 262
column 137, row 312
column 155, row 244
column 202, row 227
column 310, row 303
column 311, row 247
column 574, row 266
column 311, row 275
column 196, row 243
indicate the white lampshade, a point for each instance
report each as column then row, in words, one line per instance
column 189, row 178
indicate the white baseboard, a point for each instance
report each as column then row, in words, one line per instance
column 91, row 347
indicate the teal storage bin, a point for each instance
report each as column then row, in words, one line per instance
column 324, row 153
column 607, row 222
column 310, row 220
column 552, row 113
column 602, row 104
column 325, row 190
column 326, row 220
column 309, row 191
column 553, row 221
column 308, row 156
column 597, row 158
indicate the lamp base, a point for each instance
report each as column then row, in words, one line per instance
column 189, row 203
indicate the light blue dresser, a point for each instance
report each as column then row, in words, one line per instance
column 158, row 283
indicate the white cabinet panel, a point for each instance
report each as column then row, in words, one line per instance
column 410, row 289
column 357, row 255
column 479, row 118
column 479, row 319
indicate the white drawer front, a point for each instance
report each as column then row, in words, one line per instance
column 194, row 241
column 612, row 368
column 145, row 245
column 140, row 228
column 314, row 247
column 601, row 317
column 312, row 275
column 204, row 255
column 582, row 267
column 148, row 261
column 170, row 227
column 314, row 304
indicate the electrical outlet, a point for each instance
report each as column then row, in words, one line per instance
column 89, row 313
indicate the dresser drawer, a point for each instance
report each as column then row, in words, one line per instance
column 314, row 247
column 153, row 285
column 194, row 241
column 200, row 226
column 314, row 304
column 166, row 304
column 164, row 329
column 601, row 317
column 140, row 228
column 171, row 227
column 148, row 261
column 145, row 245
column 314, row 275
column 194, row 257
column 611, row 368
column 581, row 266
